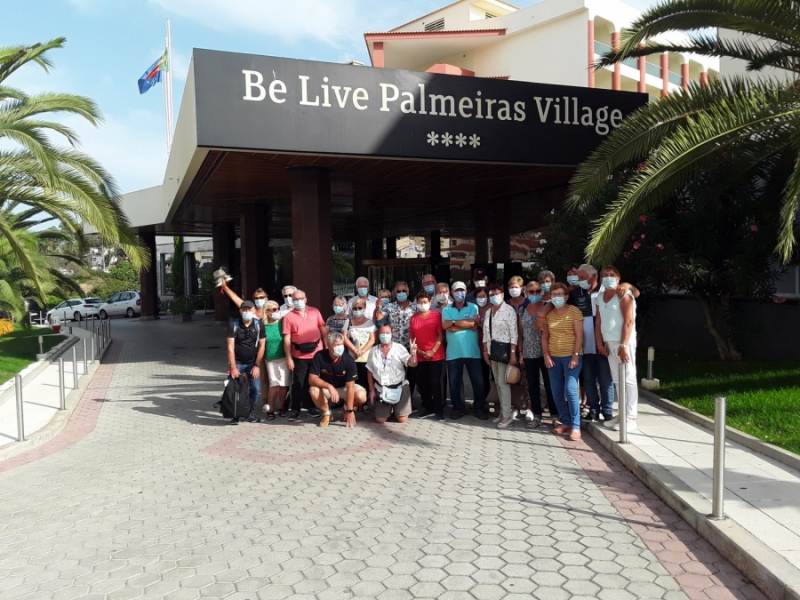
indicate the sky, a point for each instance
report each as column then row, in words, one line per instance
column 110, row 44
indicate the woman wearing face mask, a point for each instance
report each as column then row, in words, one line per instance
column 388, row 387
column 562, row 346
column 500, row 337
column 384, row 298
column 338, row 321
column 360, row 339
column 532, row 358
column 426, row 329
column 572, row 277
column 259, row 299
column 516, row 298
column 278, row 376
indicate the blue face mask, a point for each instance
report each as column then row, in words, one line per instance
column 247, row 316
column 363, row 291
column 402, row 297
column 496, row 300
column 481, row 301
column 260, row 302
column 385, row 338
column 299, row 304
column 338, row 350
column 558, row 301
column 358, row 313
column 573, row 279
column 429, row 289
column 546, row 287
column 459, row 296
column 534, row 298
column 385, row 301
column 609, row 282
column 338, row 309
column 585, row 285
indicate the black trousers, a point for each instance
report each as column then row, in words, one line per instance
column 300, row 395
column 429, row 381
column 533, row 368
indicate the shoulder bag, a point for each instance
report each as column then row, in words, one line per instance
column 498, row 351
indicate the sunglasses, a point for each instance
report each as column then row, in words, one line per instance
column 260, row 298
column 272, row 310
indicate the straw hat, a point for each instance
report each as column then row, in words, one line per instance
column 513, row 374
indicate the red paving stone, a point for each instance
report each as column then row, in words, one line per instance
column 83, row 419
column 698, row 568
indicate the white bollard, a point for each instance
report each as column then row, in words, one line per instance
column 718, row 498
column 623, row 416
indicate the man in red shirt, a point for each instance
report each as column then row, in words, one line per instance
column 426, row 329
column 302, row 331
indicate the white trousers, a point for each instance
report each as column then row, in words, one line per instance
column 631, row 385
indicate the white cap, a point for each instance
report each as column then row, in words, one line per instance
column 458, row 285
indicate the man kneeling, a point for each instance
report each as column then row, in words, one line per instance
column 332, row 381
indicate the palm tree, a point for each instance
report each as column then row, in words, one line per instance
column 681, row 135
column 58, row 181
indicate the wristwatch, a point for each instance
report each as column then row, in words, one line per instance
column 350, row 411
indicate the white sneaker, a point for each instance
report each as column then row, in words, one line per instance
column 514, row 414
column 529, row 416
column 612, row 424
column 632, row 425
column 505, row 424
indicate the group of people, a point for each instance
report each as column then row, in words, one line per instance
column 374, row 351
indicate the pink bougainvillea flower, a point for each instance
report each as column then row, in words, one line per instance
column 643, row 219
column 644, row 235
column 660, row 246
column 754, row 228
column 636, row 246
column 641, row 166
column 626, row 254
column 779, row 300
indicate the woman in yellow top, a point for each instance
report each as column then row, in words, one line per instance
column 562, row 346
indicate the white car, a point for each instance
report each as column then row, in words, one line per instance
column 76, row 309
column 124, row 304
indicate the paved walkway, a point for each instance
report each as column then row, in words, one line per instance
column 147, row 492
column 762, row 495
column 40, row 396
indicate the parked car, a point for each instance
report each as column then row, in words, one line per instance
column 76, row 309
column 124, row 304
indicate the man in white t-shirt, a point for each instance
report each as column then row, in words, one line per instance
column 362, row 291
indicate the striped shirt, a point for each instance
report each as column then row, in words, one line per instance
column 561, row 331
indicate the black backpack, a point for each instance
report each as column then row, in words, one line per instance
column 235, row 402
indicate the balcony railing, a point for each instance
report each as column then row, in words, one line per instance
column 654, row 70
column 675, row 78
column 601, row 48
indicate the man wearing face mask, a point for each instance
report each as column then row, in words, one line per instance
column 572, row 277
column 362, row 291
column 429, row 284
column 287, row 306
column 399, row 315
column 461, row 329
column 246, row 338
column 596, row 372
column 442, row 298
column 332, row 381
column 479, row 282
column 303, row 329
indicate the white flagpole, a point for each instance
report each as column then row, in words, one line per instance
column 168, row 89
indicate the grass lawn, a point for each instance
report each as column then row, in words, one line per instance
column 19, row 349
column 763, row 397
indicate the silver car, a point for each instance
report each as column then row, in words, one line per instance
column 123, row 304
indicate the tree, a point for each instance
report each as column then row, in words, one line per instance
column 711, row 240
column 61, row 182
column 682, row 135
column 177, row 276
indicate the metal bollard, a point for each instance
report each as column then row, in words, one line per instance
column 69, row 329
column 91, row 342
column 74, row 368
column 20, row 418
column 651, row 356
column 623, row 409
column 85, row 358
column 109, row 329
column 718, row 500
column 41, row 345
column 62, row 397
column 92, row 324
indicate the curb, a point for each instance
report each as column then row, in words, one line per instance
column 32, row 370
column 745, row 439
column 776, row 577
column 60, row 418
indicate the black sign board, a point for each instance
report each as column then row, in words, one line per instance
column 256, row 102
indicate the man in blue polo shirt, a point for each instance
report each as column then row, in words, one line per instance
column 458, row 320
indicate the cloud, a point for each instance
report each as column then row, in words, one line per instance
column 336, row 23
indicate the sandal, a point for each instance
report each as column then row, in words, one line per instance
column 535, row 424
column 271, row 416
column 366, row 408
column 283, row 413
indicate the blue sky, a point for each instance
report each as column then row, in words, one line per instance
column 110, row 43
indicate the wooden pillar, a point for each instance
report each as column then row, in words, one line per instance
column 391, row 247
column 255, row 255
column 665, row 74
column 481, row 230
column 311, row 235
column 223, row 247
column 616, row 78
column 361, row 254
column 591, row 57
column 148, row 279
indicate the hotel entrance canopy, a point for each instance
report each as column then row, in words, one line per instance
column 316, row 151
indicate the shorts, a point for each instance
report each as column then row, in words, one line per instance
column 342, row 395
column 278, row 373
column 401, row 409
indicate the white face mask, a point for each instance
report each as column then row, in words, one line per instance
column 287, row 300
column 514, row 292
column 424, row 307
column 441, row 298
column 358, row 313
column 247, row 316
column 274, row 316
column 259, row 302
column 480, row 283
column 338, row 350
column 481, row 301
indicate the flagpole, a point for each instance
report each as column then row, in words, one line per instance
column 168, row 89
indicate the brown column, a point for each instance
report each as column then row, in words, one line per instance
column 148, row 279
column 481, row 237
column 391, row 247
column 361, row 254
column 501, row 242
column 255, row 255
column 591, row 59
column 311, row 236
column 376, row 248
column 223, row 246
column 685, row 76
column 616, row 78
column 704, row 78
column 642, row 87
column 665, row 74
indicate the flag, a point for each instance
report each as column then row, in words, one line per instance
column 153, row 75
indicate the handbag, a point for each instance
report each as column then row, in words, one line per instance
column 391, row 394
column 498, row 351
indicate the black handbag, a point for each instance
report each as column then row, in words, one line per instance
column 498, row 351
column 306, row 347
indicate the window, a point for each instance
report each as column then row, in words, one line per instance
column 437, row 25
column 490, row 15
column 114, row 298
column 75, row 302
column 62, row 305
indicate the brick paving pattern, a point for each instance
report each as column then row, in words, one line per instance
column 162, row 499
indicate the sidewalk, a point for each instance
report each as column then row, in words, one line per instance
column 40, row 396
column 762, row 495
